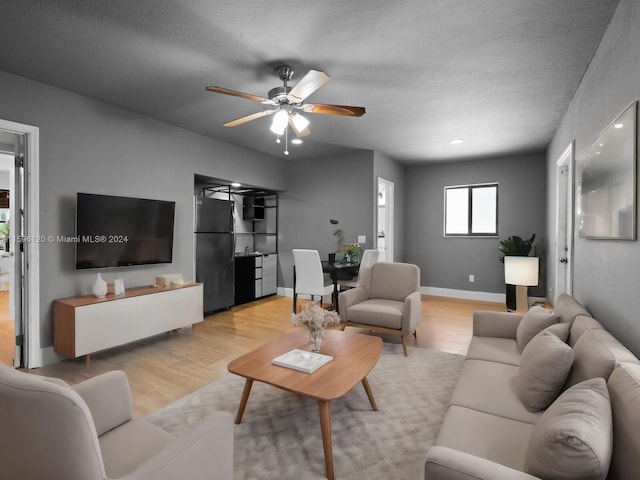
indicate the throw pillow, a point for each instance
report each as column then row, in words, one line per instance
column 544, row 366
column 533, row 322
column 560, row 330
column 573, row 438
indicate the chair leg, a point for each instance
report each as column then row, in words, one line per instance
column 404, row 345
column 415, row 334
column 342, row 327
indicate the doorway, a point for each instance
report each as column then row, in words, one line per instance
column 21, row 143
column 563, row 255
column 385, row 223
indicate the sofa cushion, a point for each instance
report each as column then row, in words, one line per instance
column 544, row 366
column 378, row 312
column 560, row 330
column 485, row 435
column 491, row 387
column 567, row 308
column 596, row 354
column 624, row 390
column 494, row 349
column 534, row 321
column 581, row 324
column 573, row 439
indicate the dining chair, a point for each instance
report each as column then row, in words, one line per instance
column 308, row 277
column 369, row 257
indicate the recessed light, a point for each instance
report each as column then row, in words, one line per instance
column 296, row 141
column 456, row 141
column 619, row 125
column 235, row 185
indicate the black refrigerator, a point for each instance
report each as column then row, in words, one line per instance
column 215, row 245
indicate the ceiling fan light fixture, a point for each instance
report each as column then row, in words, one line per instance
column 280, row 121
column 299, row 121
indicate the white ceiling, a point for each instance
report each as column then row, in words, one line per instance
column 498, row 73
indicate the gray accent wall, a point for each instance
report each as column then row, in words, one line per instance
column 89, row 146
column 318, row 189
column 606, row 279
column 447, row 262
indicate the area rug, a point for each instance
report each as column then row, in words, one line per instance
column 279, row 437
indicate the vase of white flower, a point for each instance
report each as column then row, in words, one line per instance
column 316, row 338
column 316, row 319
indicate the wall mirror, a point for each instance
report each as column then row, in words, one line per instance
column 606, row 182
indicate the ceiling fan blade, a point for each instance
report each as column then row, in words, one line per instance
column 235, row 93
column 323, row 108
column 312, row 81
column 299, row 133
column 248, row 118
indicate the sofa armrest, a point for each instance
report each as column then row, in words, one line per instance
column 108, row 398
column 448, row 464
column 496, row 324
column 351, row 297
column 204, row 453
column 412, row 313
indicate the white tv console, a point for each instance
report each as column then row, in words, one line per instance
column 86, row 324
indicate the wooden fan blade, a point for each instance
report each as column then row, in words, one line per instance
column 299, row 133
column 235, row 93
column 248, row 118
column 347, row 110
column 312, row 81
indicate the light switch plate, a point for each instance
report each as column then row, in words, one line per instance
column 362, row 239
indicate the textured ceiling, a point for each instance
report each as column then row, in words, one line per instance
column 498, row 73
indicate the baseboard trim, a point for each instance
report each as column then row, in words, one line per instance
column 464, row 294
column 47, row 357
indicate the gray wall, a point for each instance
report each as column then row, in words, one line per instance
column 88, row 146
column 448, row 262
column 606, row 276
column 318, row 189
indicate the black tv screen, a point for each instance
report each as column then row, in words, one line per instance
column 120, row 231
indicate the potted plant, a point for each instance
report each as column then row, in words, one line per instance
column 340, row 236
column 515, row 245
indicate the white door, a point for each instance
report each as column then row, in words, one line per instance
column 563, row 254
column 385, row 221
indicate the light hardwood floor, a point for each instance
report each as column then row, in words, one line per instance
column 167, row 367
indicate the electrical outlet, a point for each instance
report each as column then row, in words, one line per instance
column 472, row 278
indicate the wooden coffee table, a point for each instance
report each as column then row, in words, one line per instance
column 354, row 356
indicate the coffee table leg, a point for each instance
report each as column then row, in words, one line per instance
column 367, row 388
column 243, row 400
column 325, row 426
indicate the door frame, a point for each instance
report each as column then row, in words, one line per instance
column 563, row 275
column 389, row 219
column 31, row 351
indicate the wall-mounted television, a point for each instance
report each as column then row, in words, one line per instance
column 122, row 231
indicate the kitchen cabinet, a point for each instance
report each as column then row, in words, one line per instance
column 244, row 279
column 256, row 276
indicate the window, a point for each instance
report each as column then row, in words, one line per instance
column 471, row 210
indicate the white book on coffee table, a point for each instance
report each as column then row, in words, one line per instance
column 302, row 360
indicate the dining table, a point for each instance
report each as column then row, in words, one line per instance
column 339, row 271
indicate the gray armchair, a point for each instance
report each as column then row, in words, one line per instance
column 386, row 300
column 50, row 430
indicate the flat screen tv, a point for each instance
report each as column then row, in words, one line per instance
column 121, row 231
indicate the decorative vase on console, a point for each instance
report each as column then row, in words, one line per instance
column 316, row 319
column 99, row 288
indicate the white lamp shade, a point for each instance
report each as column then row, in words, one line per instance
column 300, row 122
column 521, row 271
column 280, row 121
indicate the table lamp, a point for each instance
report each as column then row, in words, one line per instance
column 523, row 273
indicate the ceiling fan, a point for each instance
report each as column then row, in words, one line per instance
column 289, row 102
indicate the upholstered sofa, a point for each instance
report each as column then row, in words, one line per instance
column 49, row 430
column 553, row 397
